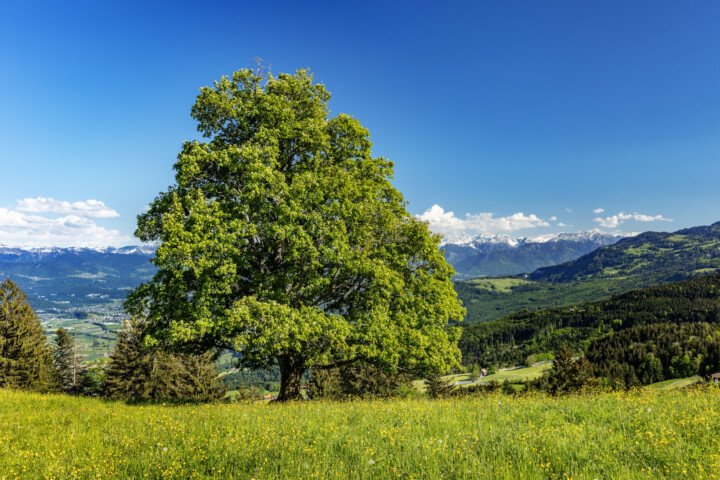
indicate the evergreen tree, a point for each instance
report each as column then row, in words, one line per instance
column 359, row 379
column 570, row 375
column 126, row 360
column 137, row 372
column 436, row 386
column 69, row 363
column 25, row 360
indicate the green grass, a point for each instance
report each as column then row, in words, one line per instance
column 674, row 383
column 516, row 375
column 519, row 375
column 663, row 434
column 501, row 284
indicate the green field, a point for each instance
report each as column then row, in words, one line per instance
column 516, row 375
column 519, row 375
column 659, row 434
column 674, row 383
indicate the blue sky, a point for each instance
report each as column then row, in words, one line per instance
column 523, row 118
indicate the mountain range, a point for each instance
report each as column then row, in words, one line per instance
column 65, row 278
column 644, row 260
column 497, row 255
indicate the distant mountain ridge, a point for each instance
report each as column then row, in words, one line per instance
column 128, row 250
column 665, row 256
column 66, row 278
column 644, row 260
column 498, row 255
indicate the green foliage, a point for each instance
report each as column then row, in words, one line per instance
column 356, row 380
column 284, row 240
column 646, row 260
column 96, row 379
column 437, row 386
column 136, row 372
column 25, row 360
column 69, row 363
column 475, row 372
column 570, row 375
column 538, row 357
column 647, row 354
column 510, row 340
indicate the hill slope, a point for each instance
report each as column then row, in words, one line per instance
column 509, row 340
column 653, row 256
column 64, row 278
column 645, row 260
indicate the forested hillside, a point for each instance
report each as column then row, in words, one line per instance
column 647, row 354
column 511, row 339
column 645, row 260
column 655, row 257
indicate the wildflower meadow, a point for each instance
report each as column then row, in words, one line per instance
column 643, row 434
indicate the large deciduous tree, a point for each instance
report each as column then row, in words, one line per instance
column 25, row 360
column 284, row 239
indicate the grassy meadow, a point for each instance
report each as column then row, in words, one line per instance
column 649, row 434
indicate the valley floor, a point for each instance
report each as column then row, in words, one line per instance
column 650, row 434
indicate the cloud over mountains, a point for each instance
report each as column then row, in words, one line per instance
column 44, row 221
column 441, row 221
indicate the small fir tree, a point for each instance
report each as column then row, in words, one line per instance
column 436, row 386
column 137, row 372
column 69, row 363
column 360, row 380
column 570, row 375
column 25, row 360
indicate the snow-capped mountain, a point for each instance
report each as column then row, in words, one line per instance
column 132, row 249
column 487, row 254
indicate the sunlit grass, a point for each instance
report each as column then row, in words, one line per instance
column 675, row 383
column 663, row 434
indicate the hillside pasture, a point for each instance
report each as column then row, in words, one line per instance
column 666, row 434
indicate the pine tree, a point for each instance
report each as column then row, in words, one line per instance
column 138, row 372
column 69, row 363
column 25, row 360
column 436, row 386
column 570, row 375
column 125, row 363
column 360, row 380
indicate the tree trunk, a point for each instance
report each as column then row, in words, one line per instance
column 291, row 370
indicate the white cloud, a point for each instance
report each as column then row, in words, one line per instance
column 444, row 222
column 553, row 218
column 560, row 224
column 598, row 210
column 24, row 230
column 88, row 208
column 615, row 220
column 569, row 210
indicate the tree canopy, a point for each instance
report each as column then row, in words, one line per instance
column 284, row 239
